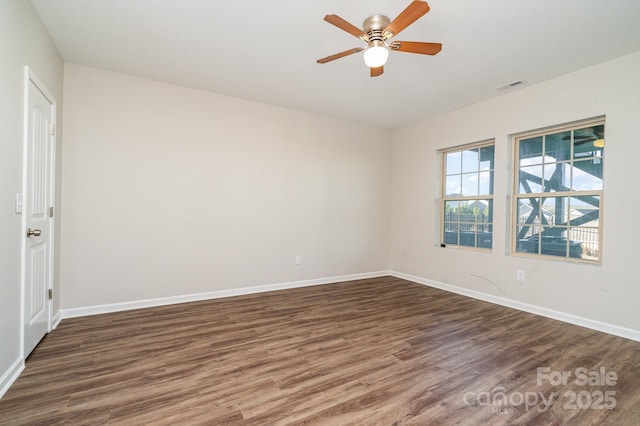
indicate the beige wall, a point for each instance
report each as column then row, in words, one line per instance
column 607, row 293
column 23, row 42
column 172, row 191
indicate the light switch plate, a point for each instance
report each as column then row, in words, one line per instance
column 18, row 203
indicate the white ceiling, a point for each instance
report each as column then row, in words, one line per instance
column 266, row 50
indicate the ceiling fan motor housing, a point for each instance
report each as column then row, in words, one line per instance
column 374, row 25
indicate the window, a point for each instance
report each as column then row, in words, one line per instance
column 558, row 196
column 467, row 196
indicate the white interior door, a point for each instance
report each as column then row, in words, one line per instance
column 37, row 200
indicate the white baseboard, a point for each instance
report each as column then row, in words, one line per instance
column 14, row 371
column 149, row 303
column 526, row 307
column 10, row 376
column 616, row 330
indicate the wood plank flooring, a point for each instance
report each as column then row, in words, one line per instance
column 378, row 352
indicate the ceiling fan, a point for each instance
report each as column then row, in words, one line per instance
column 583, row 136
column 377, row 29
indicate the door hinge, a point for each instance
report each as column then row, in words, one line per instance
column 52, row 129
column 50, row 294
column 51, row 211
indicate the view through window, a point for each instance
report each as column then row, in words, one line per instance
column 467, row 196
column 558, row 201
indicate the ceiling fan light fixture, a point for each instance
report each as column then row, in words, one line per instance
column 377, row 30
column 376, row 54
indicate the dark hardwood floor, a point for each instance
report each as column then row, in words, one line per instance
column 379, row 351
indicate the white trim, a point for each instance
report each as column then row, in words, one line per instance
column 615, row 330
column 23, row 219
column 56, row 320
column 33, row 77
column 52, row 197
column 148, row 303
column 11, row 375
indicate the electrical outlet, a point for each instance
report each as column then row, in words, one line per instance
column 298, row 260
column 520, row 275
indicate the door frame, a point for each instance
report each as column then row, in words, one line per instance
column 30, row 77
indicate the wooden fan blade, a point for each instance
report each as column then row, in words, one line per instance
column 346, row 26
column 416, row 47
column 407, row 17
column 377, row 71
column 340, row 55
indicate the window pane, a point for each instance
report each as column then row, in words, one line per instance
column 587, row 150
column 556, row 210
column 588, row 142
column 557, row 177
column 528, row 241
column 454, row 162
column 466, row 214
column 530, row 151
column 585, row 137
column 470, row 160
column 585, row 202
column 453, row 185
column 530, row 179
column 584, row 211
column 450, row 233
column 484, row 238
column 451, row 211
column 481, row 213
column 486, row 183
column 589, row 242
column 554, row 242
column 587, row 175
column 484, row 227
column 526, row 231
column 557, row 147
column 486, row 157
column 467, row 237
column 470, row 184
column 527, row 210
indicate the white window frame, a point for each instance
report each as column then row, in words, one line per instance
column 564, row 192
column 444, row 198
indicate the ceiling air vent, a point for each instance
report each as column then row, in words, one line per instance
column 510, row 85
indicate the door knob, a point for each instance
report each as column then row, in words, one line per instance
column 33, row 233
